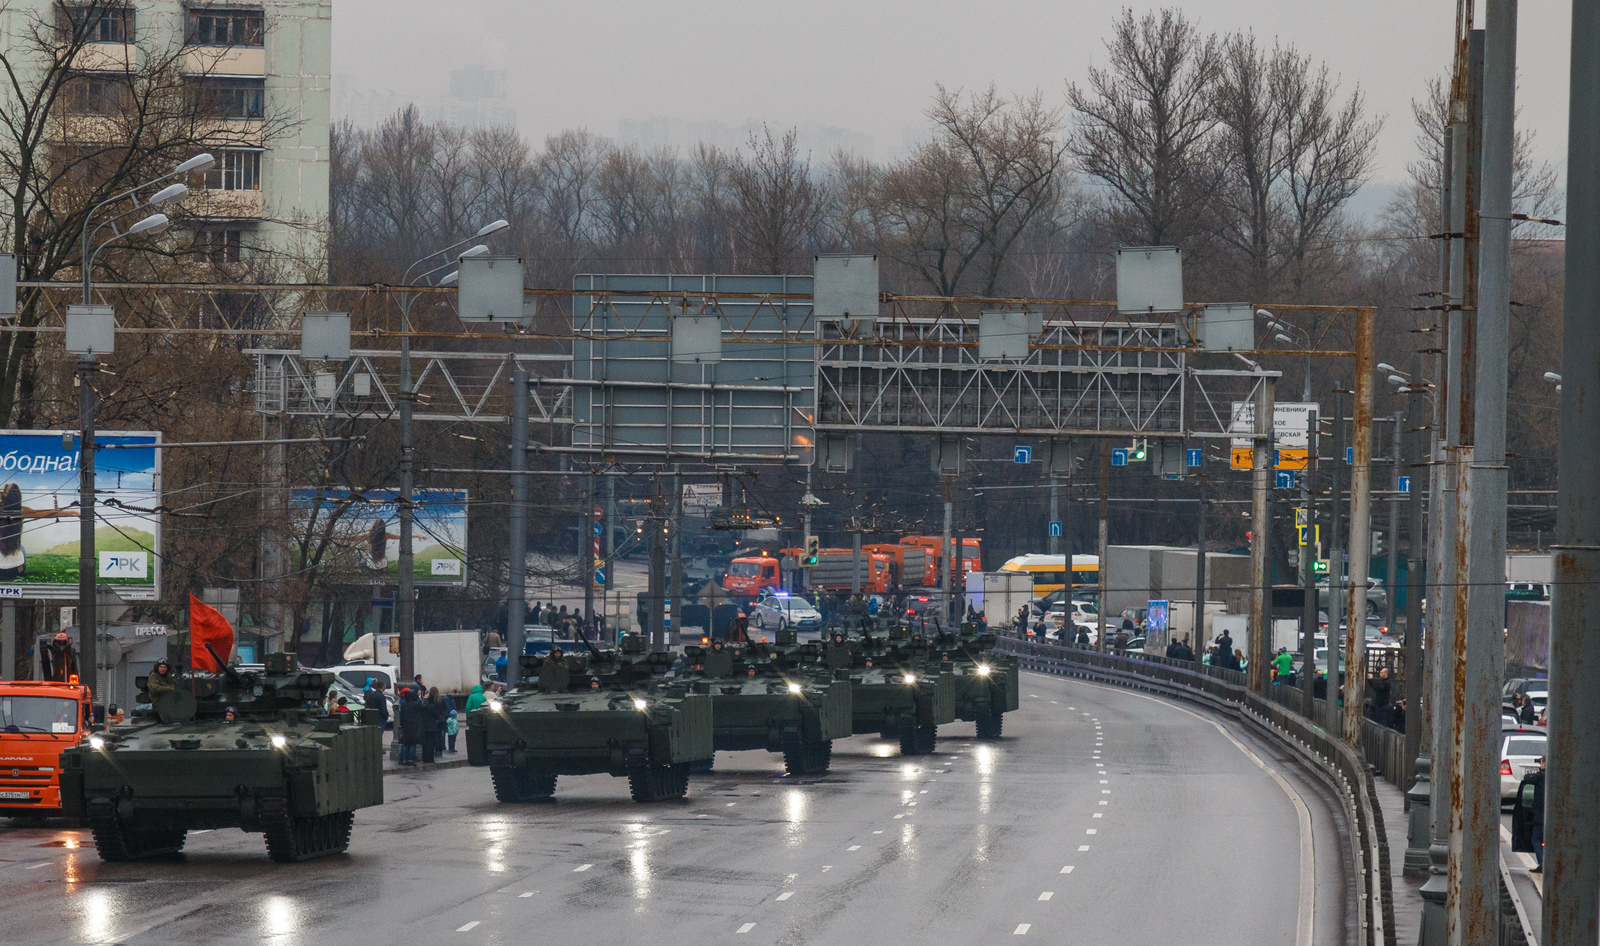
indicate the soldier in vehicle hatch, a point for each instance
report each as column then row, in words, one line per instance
column 838, row 652
column 718, row 661
column 553, row 673
column 160, row 680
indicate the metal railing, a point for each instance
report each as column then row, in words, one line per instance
column 1326, row 755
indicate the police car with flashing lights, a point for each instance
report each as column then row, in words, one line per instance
column 779, row 611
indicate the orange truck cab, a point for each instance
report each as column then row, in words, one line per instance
column 749, row 575
column 37, row 721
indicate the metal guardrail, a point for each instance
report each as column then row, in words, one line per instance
column 1328, row 757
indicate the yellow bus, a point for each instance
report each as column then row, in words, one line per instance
column 1050, row 571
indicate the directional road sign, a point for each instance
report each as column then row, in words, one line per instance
column 1022, row 454
column 1285, row 479
column 1405, row 484
column 1192, row 457
column 1119, row 457
column 1055, row 529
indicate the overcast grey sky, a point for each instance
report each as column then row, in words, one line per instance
column 869, row 66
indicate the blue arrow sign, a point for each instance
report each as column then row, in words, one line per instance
column 1119, row 457
column 1055, row 529
column 600, row 576
column 1405, row 484
column 1192, row 457
column 1022, row 454
column 1350, row 455
column 1285, row 479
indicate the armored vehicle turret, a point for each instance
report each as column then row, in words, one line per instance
column 778, row 697
column 248, row 750
column 987, row 683
column 894, row 692
column 604, row 712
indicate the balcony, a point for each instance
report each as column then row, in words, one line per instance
column 224, row 205
column 225, row 61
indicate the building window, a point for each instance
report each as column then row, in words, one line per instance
column 218, row 246
column 98, row 23
column 97, row 94
column 235, row 171
column 232, row 98
column 226, row 27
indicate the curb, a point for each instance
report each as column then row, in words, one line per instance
column 424, row 767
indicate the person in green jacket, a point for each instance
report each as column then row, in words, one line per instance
column 1282, row 665
column 476, row 698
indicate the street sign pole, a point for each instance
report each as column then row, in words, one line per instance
column 1308, row 575
column 1261, row 524
column 1335, row 720
column 1055, row 517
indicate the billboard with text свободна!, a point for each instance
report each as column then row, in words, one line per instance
column 357, row 534
column 39, row 528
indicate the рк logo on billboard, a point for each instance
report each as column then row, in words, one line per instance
column 447, row 566
column 124, row 564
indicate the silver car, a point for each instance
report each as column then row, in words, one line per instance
column 776, row 612
column 1520, row 749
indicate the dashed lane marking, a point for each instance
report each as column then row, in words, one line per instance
column 1099, row 814
column 528, row 894
column 1091, row 831
column 747, row 927
column 1083, row 847
column 467, row 928
column 786, row 895
column 877, row 832
column 1104, row 802
column 37, row 866
column 853, row 847
column 1047, row 895
column 1067, row 869
column 581, row 868
column 1022, row 929
column 897, row 817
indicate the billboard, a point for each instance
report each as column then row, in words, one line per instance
column 359, row 533
column 39, row 529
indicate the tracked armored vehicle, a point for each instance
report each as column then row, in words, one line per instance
column 893, row 690
column 281, row 766
column 778, row 697
column 987, row 684
column 604, row 712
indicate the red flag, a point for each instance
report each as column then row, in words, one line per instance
column 208, row 626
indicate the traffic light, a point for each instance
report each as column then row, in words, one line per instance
column 1319, row 567
column 813, row 546
column 1139, row 452
column 1377, row 542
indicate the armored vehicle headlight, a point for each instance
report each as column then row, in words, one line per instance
column 983, row 670
column 494, row 705
column 641, row 704
column 794, row 688
column 910, row 678
column 97, row 742
column 279, row 740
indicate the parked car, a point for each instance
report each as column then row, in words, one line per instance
column 1520, row 749
column 776, row 612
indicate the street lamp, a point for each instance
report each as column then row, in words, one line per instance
column 88, row 561
column 1552, row 376
column 404, row 621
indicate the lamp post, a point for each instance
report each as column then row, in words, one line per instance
column 88, row 565
column 404, row 622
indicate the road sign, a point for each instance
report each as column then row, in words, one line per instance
column 1349, row 456
column 1288, row 423
column 1192, row 457
column 1022, row 454
column 1244, row 458
column 1055, row 529
column 1405, row 484
column 1119, row 457
column 1285, row 479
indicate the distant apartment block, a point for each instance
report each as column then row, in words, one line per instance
column 260, row 74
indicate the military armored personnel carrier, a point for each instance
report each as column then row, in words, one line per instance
column 248, row 750
column 604, row 712
column 778, row 697
column 893, row 690
column 987, row 684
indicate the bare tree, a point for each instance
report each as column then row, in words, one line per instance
column 776, row 203
column 1251, row 123
column 923, row 220
column 1144, row 127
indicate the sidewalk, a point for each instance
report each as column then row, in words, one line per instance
column 449, row 760
column 1406, row 891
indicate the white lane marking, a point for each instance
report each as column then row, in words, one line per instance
column 1067, row 869
column 730, row 804
column 702, row 816
column 1073, row 708
column 786, row 895
column 1105, row 791
column 877, row 832
column 468, row 927
column 853, row 847
column 1105, row 781
column 1104, row 802
column 747, row 927
column 1053, row 703
column 911, row 804
column 1090, row 831
column 1047, row 895
column 827, row 867
column 528, row 894
column 1083, row 847
column 923, row 792
column 1102, row 771
column 581, row 869
column 1308, row 863
column 1022, row 929
column 898, row 817
column 1099, row 814
column 37, row 866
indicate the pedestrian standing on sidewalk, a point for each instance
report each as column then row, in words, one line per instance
column 1381, row 689
column 452, row 726
column 442, row 709
column 411, row 726
column 375, row 700
column 1535, row 781
column 430, row 725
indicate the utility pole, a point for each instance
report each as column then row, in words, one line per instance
column 1360, row 530
column 404, row 616
column 1479, row 882
column 952, row 553
column 517, row 590
column 1572, row 822
column 1418, row 679
column 1198, row 635
column 1260, row 526
column 614, row 614
column 1308, row 573
column 677, row 547
column 590, row 540
column 88, row 567
column 1335, row 719
column 658, row 577
column 1055, row 516
column 1392, row 560
column 1105, row 490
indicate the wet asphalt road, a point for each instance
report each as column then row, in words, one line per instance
column 1101, row 817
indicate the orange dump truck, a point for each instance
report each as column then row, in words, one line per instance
column 835, row 571
column 37, row 721
column 748, row 575
column 971, row 557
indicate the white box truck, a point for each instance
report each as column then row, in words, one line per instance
column 999, row 595
column 449, row 660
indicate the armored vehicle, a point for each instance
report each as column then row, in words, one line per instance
column 778, row 697
column 602, row 712
column 893, row 690
column 249, row 750
column 986, row 683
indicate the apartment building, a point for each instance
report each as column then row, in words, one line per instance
column 259, row 75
